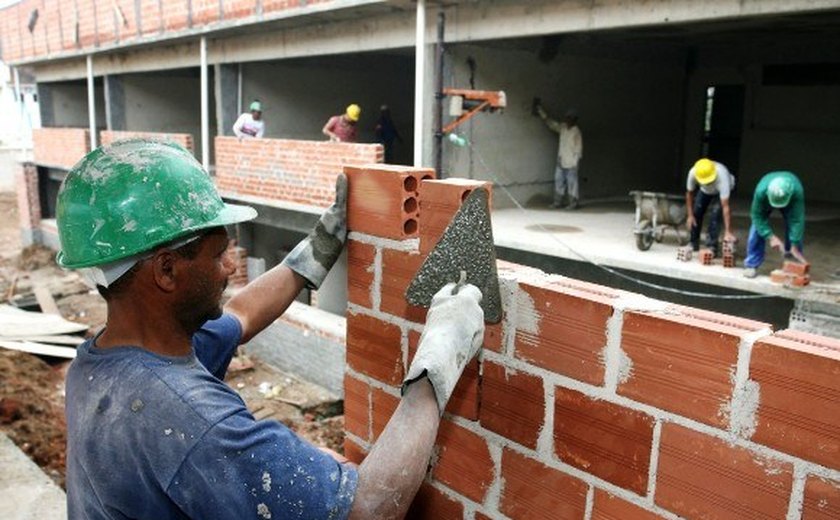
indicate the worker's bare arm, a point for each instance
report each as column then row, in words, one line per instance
column 391, row 474
column 689, row 209
column 727, row 218
column 265, row 299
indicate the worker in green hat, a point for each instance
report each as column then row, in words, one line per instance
column 152, row 429
column 783, row 191
column 250, row 125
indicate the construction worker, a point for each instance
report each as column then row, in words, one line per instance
column 250, row 125
column 386, row 133
column 153, row 432
column 569, row 153
column 342, row 128
column 715, row 184
column 780, row 190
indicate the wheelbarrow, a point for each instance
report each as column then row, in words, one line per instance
column 654, row 213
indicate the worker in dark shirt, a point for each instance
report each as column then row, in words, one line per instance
column 780, row 190
column 153, row 431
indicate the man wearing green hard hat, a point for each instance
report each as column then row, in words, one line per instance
column 250, row 125
column 783, row 191
column 152, row 430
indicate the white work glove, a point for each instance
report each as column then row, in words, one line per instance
column 313, row 257
column 453, row 333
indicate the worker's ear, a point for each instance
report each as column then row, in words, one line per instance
column 164, row 267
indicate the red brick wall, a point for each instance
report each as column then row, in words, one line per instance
column 60, row 147
column 98, row 25
column 109, row 136
column 592, row 403
column 287, row 170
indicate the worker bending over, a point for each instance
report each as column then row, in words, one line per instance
column 153, row 431
column 250, row 125
column 780, row 190
column 715, row 186
column 342, row 128
column 569, row 153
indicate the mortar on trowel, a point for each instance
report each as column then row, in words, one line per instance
column 464, row 254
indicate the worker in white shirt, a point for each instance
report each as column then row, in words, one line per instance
column 569, row 152
column 250, row 125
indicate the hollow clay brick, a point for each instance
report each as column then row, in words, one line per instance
column 383, row 200
column 798, row 376
column 383, row 406
column 800, row 280
column 356, row 407
column 432, row 504
column 464, row 462
column 682, row 360
column 699, row 476
column 781, row 277
column 512, row 404
column 533, row 490
column 464, row 399
column 493, row 336
column 602, row 438
column 439, row 201
column 796, row 268
column 563, row 328
column 355, row 453
column 373, row 348
column 360, row 259
column 706, row 256
column 684, row 253
column 398, row 269
column 609, row 507
column 822, row 499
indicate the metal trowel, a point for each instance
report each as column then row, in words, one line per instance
column 464, row 254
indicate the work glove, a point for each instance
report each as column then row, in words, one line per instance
column 313, row 257
column 454, row 331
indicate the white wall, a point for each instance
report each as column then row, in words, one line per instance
column 298, row 96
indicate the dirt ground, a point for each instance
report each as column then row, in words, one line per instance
column 32, row 389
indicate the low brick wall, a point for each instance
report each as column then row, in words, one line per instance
column 287, row 170
column 109, row 136
column 59, row 147
column 592, row 403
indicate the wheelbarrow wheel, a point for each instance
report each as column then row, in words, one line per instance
column 644, row 235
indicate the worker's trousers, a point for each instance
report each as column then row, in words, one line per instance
column 704, row 202
column 565, row 180
column 756, row 244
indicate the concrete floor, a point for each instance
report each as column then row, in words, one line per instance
column 28, row 493
column 603, row 233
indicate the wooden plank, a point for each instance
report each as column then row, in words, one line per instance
column 57, row 339
column 45, row 300
column 40, row 349
column 17, row 322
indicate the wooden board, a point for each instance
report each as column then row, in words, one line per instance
column 17, row 322
column 40, row 349
column 46, row 300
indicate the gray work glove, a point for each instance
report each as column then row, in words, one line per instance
column 313, row 257
column 454, row 331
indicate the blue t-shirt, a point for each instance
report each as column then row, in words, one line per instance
column 157, row 437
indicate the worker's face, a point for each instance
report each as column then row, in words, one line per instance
column 206, row 279
column 256, row 115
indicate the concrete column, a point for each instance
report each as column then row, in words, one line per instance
column 29, row 204
column 114, row 103
column 205, row 107
column 227, row 97
column 419, row 82
column 91, row 102
column 45, row 104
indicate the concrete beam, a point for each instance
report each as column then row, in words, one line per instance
column 280, row 217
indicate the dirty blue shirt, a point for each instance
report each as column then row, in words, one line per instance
column 156, row 437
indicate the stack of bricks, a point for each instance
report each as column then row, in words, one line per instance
column 286, row 170
column 706, row 256
column 587, row 402
column 107, row 137
column 793, row 274
column 59, row 147
column 684, row 253
column 728, row 254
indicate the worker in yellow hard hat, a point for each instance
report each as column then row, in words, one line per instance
column 713, row 184
column 342, row 128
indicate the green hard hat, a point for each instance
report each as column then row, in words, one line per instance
column 779, row 191
column 256, row 106
column 134, row 195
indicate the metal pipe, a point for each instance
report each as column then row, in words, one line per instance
column 441, row 26
column 91, row 103
column 419, row 82
column 205, row 108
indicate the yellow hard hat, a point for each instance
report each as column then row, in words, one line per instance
column 705, row 171
column 353, row 112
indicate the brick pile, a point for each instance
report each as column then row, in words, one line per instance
column 59, row 147
column 287, row 170
column 87, row 24
column 588, row 402
column 109, row 136
column 793, row 274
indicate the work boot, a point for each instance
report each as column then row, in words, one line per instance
column 750, row 272
column 573, row 204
